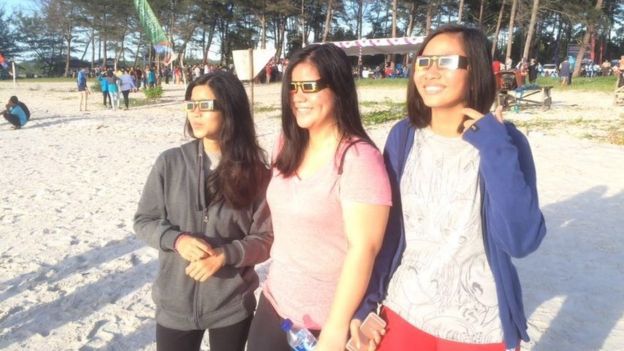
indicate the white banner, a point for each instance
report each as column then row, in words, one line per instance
column 241, row 62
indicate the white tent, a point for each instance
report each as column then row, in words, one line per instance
column 384, row 46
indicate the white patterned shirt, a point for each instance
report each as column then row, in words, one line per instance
column 444, row 285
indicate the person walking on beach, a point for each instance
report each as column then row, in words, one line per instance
column 150, row 75
column 113, row 89
column 533, row 65
column 16, row 112
column 104, row 87
column 138, row 75
column 564, row 72
column 464, row 202
column 127, row 84
column 203, row 208
column 329, row 198
column 83, row 88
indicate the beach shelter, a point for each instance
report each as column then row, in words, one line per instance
column 386, row 46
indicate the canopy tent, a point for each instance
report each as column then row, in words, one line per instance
column 384, row 46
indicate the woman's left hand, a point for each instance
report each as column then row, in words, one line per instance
column 205, row 268
column 475, row 115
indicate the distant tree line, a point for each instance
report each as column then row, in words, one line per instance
column 63, row 32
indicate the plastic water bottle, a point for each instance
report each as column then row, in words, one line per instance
column 298, row 339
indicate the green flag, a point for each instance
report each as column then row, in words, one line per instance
column 151, row 25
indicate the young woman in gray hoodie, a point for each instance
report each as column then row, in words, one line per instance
column 203, row 208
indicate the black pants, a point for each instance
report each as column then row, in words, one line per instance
column 266, row 333
column 125, row 95
column 230, row 338
column 105, row 94
column 13, row 119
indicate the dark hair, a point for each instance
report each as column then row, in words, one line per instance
column 242, row 173
column 334, row 68
column 482, row 85
column 13, row 99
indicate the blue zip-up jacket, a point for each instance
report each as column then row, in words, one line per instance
column 20, row 113
column 103, row 83
column 513, row 223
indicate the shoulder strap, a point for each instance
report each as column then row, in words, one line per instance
column 344, row 154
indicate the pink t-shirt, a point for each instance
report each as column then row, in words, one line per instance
column 310, row 242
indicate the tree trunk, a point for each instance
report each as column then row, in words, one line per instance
column 588, row 34
column 68, row 57
column 527, row 43
column 203, row 45
column 211, row 33
column 120, row 53
column 359, row 18
column 512, row 18
column 303, row 31
column 99, row 47
column 498, row 25
column 429, row 19
column 281, row 30
column 461, row 11
column 394, row 18
column 84, row 53
column 93, row 45
column 263, row 26
column 559, row 27
column 104, row 40
column 138, row 49
column 481, row 7
column 328, row 18
column 410, row 22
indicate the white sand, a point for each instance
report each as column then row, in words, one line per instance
column 74, row 277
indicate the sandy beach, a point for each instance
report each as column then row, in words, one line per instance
column 73, row 276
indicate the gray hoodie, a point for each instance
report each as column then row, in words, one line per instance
column 170, row 205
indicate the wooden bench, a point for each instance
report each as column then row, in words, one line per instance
column 527, row 95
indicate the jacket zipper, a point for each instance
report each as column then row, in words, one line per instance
column 204, row 220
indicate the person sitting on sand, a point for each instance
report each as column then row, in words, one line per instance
column 16, row 113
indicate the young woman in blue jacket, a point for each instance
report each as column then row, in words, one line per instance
column 464, row 202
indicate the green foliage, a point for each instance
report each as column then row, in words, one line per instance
column 383, row 112
column 153, row 93
column 606, row 131
column 615, row 136
column 8, row 43
column 96, row 87
column 603, row 84
column 259, row 108
column 389, row 82
column 220, row 26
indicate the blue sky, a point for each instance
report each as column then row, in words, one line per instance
column 24, row 5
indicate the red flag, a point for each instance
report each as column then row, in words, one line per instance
column 3, row 61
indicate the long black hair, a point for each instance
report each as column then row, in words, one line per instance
column 335, row 70
column 481, row 83
column 242, row 173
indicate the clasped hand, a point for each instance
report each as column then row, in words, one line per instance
column 474, row 116
column 204, row 259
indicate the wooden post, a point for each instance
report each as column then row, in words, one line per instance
column 251, row 80
column 14, row 75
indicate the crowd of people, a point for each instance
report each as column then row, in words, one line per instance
column 422, row 235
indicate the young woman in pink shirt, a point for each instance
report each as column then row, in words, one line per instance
column 329, row 199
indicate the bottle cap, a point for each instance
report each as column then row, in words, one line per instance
column 286, row 325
